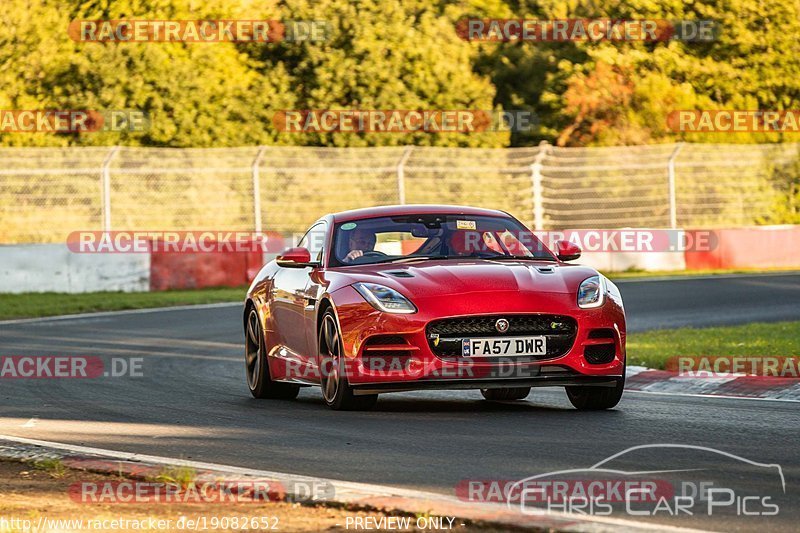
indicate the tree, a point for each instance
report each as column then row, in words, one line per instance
column 382, row 55
column 195, row 94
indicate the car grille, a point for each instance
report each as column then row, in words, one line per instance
column 559, row 330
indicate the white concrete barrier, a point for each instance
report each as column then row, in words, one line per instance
column 621, row 261
column 54, row 268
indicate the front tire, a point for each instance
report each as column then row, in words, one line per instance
column 506, row 394
column 336, row 391
column 257, row 367
column 596, row 398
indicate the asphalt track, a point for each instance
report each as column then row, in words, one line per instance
column 718, row 301
column 192, row 402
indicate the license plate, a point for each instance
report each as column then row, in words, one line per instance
column 508, row 346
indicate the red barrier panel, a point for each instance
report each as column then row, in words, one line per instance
column 759, row 247
column 194, row 270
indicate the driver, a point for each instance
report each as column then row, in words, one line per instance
column 360, row 241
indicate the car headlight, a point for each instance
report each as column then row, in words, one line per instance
column 592, row 292
column 385, row 299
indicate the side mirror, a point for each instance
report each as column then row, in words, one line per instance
column 294, row 258
column 567, row 251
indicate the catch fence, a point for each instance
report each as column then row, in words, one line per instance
column 46, row 193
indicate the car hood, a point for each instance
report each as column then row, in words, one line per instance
column 437, row 278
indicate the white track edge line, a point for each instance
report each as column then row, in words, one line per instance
column 128, row 456
column 101, row 314
column 200, row 465
column 721, row 396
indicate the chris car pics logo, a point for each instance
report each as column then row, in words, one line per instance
column 664, row 480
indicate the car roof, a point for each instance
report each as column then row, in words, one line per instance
column 421, row 209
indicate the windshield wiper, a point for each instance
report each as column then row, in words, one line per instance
column 407, row 259
column 420, row 258
column 518, row 258
column 415, row 258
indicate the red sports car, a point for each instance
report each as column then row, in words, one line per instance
column 404, row 298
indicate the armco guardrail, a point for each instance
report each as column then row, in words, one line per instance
column 45, row 193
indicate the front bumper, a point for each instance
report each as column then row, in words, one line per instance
column 546, row 379
column 369, row 335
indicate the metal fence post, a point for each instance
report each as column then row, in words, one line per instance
column 105, row 177
column 401, row 175
column 256, row 175
column 537, row 191
column 673, row 204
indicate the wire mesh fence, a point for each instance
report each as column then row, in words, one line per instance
column 46, row 193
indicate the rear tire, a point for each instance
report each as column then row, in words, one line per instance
column 506, row 394
column 596, row 398
column 336, row 391
column 257, row 367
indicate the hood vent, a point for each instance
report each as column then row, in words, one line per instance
column 546, row 270
column 401, row 274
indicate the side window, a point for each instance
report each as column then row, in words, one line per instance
column 314, row 240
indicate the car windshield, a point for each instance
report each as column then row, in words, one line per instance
column 410, row 237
